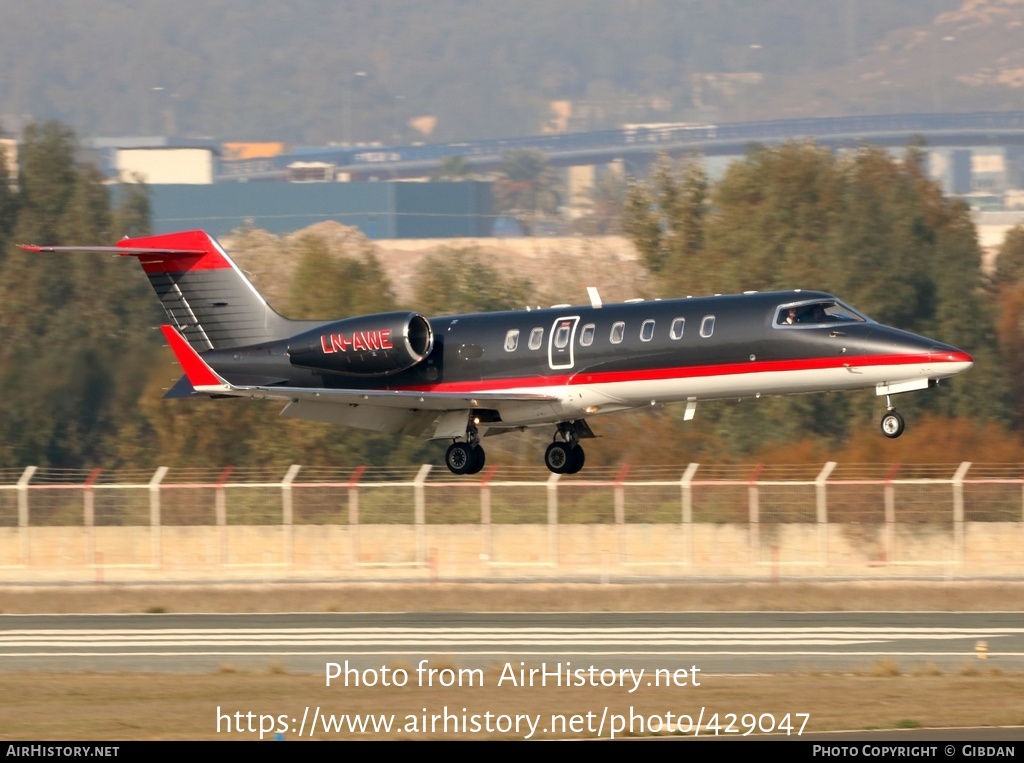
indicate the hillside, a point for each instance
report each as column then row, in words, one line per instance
column 607, row 262
column 313, row 71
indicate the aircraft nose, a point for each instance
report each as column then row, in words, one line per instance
column 950, row 360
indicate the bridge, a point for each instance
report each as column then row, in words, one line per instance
column 640, row 144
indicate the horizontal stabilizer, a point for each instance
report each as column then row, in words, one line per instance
column 122, row 250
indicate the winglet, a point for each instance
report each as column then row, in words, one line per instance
column 199, row 373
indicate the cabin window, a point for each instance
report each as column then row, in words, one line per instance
column 511, row 340
column 562, row 335
column 647, row 331
column 618, row 331
column 707, row 326
column 676, row 331
column 587, row 335
column 536, row 338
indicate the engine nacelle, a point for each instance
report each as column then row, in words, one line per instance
column 370, row 345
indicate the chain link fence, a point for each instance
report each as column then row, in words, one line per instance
column 831, row 517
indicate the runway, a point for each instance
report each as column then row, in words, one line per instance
column 720, row 642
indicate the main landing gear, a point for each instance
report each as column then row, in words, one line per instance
column 892, row 423
column 563, row 456
column 466, row 457
column 566, row 457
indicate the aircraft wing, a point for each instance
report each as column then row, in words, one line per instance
column 400, row 411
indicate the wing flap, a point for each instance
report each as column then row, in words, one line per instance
column 374, row 418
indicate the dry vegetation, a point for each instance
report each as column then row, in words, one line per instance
column 521, row 597
column 162, row 706
column 607, row 262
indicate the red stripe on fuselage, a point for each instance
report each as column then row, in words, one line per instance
column 692, row 372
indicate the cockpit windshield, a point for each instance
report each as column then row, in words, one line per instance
column 820, row 312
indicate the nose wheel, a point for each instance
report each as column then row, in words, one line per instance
column 892, row 424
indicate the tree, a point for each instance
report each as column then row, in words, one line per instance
column 771, row 217
column 48, row 180
column 132, row 215
column 76, row 330
column 874, row 230
column 526, row 186
column 1008, row 283
column 453, row 168
column 461, row 281
column 1010, row 262
column 665, row 221
column 8, row 203
column 608, row 197
column 334, row 284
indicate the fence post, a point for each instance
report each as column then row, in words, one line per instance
column 553, row 518
column 821, row 502
column 421, row 514
column 221, row 511
column 620, row 512
column 754, row 514
column 89, row 514
column 353, row 511
column 485, row 513
column 26, row 477
column 288, row 513
column 155, row 540
column 686, row 487
column 958, row 512
column 890, row 515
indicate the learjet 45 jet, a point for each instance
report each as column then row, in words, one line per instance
column 460, row 377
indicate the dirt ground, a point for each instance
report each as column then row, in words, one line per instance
column 233, row 704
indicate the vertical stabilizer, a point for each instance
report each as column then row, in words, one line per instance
column 206, row 297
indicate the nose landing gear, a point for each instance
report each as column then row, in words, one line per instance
column 892, row 423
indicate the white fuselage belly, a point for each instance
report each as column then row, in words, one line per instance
column 583, row 399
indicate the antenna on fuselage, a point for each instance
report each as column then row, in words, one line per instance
column 595, row 297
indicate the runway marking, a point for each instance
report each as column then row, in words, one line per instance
column 747, row 632
column 504, row 653
column 181, row 640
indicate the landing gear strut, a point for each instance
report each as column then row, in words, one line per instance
column 892, row 423
column 466, row 457
column 566, row 457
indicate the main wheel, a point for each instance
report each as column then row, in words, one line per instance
column 576, row 460
column 460, row 458
column 557, row 457
column 479, row 457
column 892, row 424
